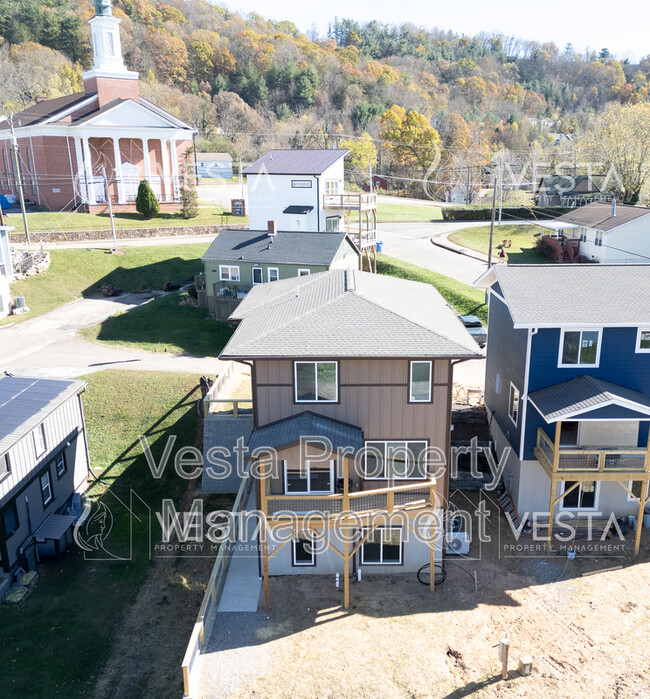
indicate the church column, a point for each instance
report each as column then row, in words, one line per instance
column 147, row 160
column 174, row 154
column 167, row 175
column 80, row 175
column 118, row 171
column 90, row 183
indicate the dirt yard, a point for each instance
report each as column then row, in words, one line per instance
column 587, row 635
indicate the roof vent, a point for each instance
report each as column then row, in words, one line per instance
column 613, row 208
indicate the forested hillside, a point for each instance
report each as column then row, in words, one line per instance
column 248, row 83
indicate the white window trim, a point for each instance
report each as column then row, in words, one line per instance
column 41, row 431
column 638, row 349
column 428, row 399
column 294, row 559
column 333, row 218
column 309, row 491
column 228, row 278
column 46, row 474
column 273, row 269
column 497, row 384
column 381, row 549
column 301, row 184
column 316, row 400
column 60, row 459
column 303, row 272
column 563, row 508
column 629, row 497
column 579, row 330
column 385, row 477
column 336, row 186
column 253, row 270
column 514, row 421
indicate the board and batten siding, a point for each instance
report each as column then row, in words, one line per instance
column 373, row 395
column 64, row 422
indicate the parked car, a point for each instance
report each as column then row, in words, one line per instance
column 475, row 329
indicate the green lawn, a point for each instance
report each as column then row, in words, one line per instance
column 57, row 641
column 395, row 212
column 462, row 298
column 170, row 323
column 80, row 272
column 40, row 224
column 523, row 242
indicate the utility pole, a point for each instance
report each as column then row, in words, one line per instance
column 370, row 171
column 19, row 179
column 110, row 208
column 494, row 210
column 241, row 177
column 469, row 169
column 500, row 186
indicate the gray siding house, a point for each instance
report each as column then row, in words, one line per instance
column 43, row 463
column 366, row 362
column 238, row 260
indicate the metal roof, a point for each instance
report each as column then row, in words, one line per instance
column 554, row 295
column 583, row 395
column 284, row 247
column 599, row 216
column 298, row 209
column 26, row 402
column 213, row 157
column 289, row 430
column 295, row 162
column 54, row 527
column 347, row 313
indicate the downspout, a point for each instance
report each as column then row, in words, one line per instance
column 318, row 202
column 524, row 397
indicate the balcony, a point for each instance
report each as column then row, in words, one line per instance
column 607, row 463
column 358, row 202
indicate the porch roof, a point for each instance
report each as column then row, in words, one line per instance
column 584, row 395
column 306, row 424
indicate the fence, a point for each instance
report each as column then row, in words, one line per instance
column 214, row 406
column 206, row 617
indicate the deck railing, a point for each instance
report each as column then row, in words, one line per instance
column 350, row 201
column 214, row 405
column 588, row 459
column 206, row 616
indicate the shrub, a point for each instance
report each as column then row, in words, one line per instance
column 484, row 213
column 146, row 202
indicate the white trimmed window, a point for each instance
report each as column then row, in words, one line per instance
column 382, row 547
column 60, row 465
column 331, row 187
column 228, row 273
column 332, row 224
column 273, row 274
column 583, row 497
column 46, row 488
column 314, row 478
column 579, row 348
column 420, row 382
column 643, row 340
column 303, row 551
column 598, row 239
column 301, row 184
column 5, row 466
column 303, row 272
column 258, row 275
column 316, row 382
column 637, row 489
column 40, row 441
column 397, row 459
column 513, row 403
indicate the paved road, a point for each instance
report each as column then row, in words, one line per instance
column 49, row 346
column 411, row 242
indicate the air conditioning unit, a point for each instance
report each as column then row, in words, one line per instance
column 457, row 543
column 19, row 305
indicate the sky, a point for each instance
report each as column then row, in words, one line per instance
column 621, row 27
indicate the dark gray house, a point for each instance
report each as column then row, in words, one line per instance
column 43, row 463
column 238, row 260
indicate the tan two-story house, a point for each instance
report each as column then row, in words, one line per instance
column 364, row 363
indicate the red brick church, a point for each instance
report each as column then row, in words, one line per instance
column 66, row 143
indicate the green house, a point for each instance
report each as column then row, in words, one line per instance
column 238, row 260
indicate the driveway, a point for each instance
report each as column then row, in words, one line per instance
column 48, row 346
column 411, row 242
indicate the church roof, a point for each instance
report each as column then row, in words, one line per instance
column 46, row 109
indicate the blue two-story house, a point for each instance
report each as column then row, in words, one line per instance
column 568, row 385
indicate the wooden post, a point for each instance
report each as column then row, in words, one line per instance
column 639, row 519
column 346, row 486
column 556, row 445
column 265, row 534
column 346, row 571
column 432, row 541
column 551, row 508
column 503, row 649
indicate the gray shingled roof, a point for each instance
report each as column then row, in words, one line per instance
column 295, row 162
column 553, row 295
column 283, row 248
column 599, row 216
column 26, row 402
column 347, row 313
column 47, row 108
column 584, row 394
column 289, row 430
column 567, row 184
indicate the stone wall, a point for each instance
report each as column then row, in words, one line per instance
column 123, row 234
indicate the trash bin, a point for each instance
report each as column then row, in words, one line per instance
column 380, row 246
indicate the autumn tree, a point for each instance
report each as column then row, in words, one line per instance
column 363, row 153
column 618, row 141
column 411, row 138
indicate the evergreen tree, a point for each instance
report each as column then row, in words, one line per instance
column 146, row 202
